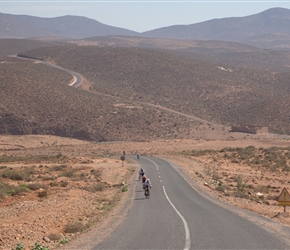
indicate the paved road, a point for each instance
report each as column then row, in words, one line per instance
column 178, row 217
column 77, row 77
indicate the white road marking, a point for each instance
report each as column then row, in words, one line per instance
column 75, row 79
column 186, row 228
column 153, row 163
column 187, row 233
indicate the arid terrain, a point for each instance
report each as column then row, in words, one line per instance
column 132, row 92
column 61, row 177
column 56, row 191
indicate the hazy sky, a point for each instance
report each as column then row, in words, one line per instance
column 141, row 15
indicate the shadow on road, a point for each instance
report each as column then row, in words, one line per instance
column 136, row 199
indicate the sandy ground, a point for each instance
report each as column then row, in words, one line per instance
column 77, row 191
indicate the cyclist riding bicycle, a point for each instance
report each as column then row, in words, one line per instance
column 147, row 184
column 143, row 179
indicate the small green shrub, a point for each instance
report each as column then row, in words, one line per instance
column 38, row 246
column 10, row 190
column 125, row 188
column 63, row 241
column 19, row 246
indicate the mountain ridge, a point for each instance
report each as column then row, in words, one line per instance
column 272, row 26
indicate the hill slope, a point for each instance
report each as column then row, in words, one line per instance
column 36, row 99
column 235, row 29
column 214, row 92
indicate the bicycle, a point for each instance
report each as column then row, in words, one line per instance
column 147, row 192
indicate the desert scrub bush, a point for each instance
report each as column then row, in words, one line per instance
column 238, row 155
column 220, row 188
column 240, row 194
column 197, row 152
column 63, row 183
column 10, row 190
column 74, row 227
column 70, row 173
column 48, row 178
column 11, row 158
column 59, row 167
column 42, row 194
column 241, row 184
column 19, row 246
column 55, row 236
column 125, row 188
column 30, row 158
column 54, row 184
column 63, row 241
column 36, row 186
column 97, row 172
column 18, row 175
column 272, row 197
column 227, row 149
column 98, row 187
column 38, row 246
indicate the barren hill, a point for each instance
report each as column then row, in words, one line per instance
column 130, row 78
column 25, row 26
column 214, row 92
column 15, row 46
column 36, row 99
column 272, row 23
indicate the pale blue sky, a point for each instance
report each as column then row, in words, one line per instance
column 141, row 15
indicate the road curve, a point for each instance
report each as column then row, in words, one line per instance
column 76, row 76
column 178, row 217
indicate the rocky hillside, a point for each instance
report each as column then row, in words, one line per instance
column 36, row 99
column 215, row 92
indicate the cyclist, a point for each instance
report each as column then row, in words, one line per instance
column 143, row 179
column 141, row 173
column 147, row 184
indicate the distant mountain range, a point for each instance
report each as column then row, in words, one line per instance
column 268, row 29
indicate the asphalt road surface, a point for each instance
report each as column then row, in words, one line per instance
column 177, row 217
